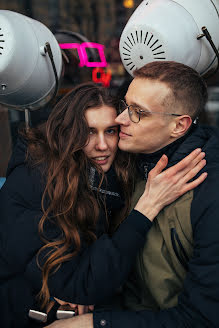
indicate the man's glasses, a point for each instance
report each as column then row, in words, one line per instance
column 135, row 112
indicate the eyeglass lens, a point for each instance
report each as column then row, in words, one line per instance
column 133, row 114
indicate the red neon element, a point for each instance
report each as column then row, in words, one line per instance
column 81, row 48
column 104, row 77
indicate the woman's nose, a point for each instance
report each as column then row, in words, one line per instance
column 101, row 143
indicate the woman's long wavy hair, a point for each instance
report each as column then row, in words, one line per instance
column 57, row 146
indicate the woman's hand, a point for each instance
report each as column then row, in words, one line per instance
column 162, row 188
column 83, row 321
column 77, row 308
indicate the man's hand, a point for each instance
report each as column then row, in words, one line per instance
column 81, row 321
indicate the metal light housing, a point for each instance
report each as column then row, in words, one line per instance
column 27, row 78
column 172, row 30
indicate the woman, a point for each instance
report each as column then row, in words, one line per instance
column 65, row 229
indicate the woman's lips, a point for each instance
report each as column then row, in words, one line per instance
column 101, row 160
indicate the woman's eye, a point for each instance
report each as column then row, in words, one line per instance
column 111, row 131
column 92, row 131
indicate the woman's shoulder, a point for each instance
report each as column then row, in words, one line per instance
column 23, row 180
column 18, row 156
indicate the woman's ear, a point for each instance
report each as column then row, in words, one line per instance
column 181, row 126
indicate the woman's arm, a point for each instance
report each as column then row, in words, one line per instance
column 99, row 269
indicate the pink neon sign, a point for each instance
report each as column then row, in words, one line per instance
column 81, row 49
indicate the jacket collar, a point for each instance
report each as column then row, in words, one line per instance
column 175, row 151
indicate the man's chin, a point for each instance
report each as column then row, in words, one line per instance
column 124, row 146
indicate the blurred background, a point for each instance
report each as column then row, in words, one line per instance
column 99, row 22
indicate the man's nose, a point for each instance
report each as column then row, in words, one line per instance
column 101, row 143
column 123, row 118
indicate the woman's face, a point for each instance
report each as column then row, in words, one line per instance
column 103, row 137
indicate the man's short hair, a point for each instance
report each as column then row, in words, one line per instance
column 188, row 91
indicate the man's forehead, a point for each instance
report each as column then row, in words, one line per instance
column 142, row 90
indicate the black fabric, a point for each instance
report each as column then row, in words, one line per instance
column 198, row 302
column 89, row 278
column 109, row 195
column 175, row 239
column 146, row 162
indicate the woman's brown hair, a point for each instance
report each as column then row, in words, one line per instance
column 57, row 146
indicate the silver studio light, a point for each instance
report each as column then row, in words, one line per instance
column 30, row 62
column 185, row 31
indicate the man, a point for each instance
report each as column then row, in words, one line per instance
column 175, row 280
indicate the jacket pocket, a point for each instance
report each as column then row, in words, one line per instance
column 181, row 255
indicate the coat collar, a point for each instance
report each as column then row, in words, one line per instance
column 175, row 151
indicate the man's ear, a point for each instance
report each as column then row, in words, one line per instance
column 181, row 126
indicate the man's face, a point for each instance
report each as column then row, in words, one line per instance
column 153, row 132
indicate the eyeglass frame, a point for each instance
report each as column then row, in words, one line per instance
column 142, row 111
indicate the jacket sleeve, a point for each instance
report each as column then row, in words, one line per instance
column 198, row 303
column 90, row 277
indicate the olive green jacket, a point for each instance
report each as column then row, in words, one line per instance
column 161, row 266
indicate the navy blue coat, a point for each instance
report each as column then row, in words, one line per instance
column 89, row 278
